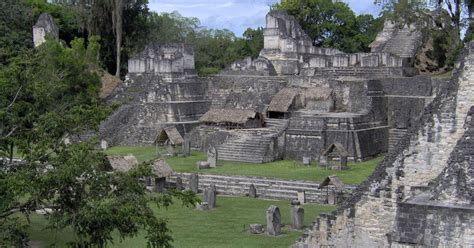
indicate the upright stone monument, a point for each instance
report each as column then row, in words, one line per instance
column 210, row 195
column 297, row 215
column 273, row 221
column 179, row 184
column 212, row 157
column 302, row 197
column 252, row 191
column 194, row 183
column 186, row 148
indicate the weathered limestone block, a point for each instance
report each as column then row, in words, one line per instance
column 179, row 184
column 45, row 26
column 256, row 228
column 302, row 197
column 203, row 165
column 273, row 221
column 203, row 206
column 194, row 183
column 212, row 157
column 252, row 191
column 186, row 148
column 297, row 217
column 210, row 195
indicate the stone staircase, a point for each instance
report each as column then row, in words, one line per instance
column 394, row 136
column 267, row 188
column 404, row 42
column 253, row 145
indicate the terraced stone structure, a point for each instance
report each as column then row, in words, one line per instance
column 421, row 195
column 309, row 97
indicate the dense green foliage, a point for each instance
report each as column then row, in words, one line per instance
column 223, row 227
column 333, row 24
column 285, row 169
column 48, row 94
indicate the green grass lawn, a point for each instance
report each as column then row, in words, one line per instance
column 284, row 169
column 220, row 227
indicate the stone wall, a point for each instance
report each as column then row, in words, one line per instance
column 369, row 218
column 431, row 225
column 267, row 188
column 244, row 92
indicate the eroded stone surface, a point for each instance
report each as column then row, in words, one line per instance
column 273, row 221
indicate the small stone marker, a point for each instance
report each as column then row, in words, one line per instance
column 273, row 221
column 210, row 196
column 186, row 148
column 203, row 206
column 256, row 228
column 307, row 161
column 160, row 184
column 179, row 184
column 194, row 183
column 252, row 191
column 212, row 157
column 297, row 215
column 302, row 197
column 203, row 165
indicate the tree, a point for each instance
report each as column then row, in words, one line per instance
column 16, row 19
column 409, row 9
column 49, row 94
column 329, row 23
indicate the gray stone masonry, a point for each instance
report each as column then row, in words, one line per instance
column 273, row 221
column 267, row 188
column 388, row 210
column 45, row 26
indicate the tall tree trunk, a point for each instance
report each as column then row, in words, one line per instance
column 117, row 18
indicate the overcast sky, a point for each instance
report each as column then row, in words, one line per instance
column 236, row 15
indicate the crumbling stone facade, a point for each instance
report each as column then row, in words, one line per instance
column 45, row 26
column 357, row 100
column 418, row 196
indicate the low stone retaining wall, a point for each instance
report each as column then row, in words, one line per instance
column 267, row 188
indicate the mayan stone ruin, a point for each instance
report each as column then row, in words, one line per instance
column 301, row 102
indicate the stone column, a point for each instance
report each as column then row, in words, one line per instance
column 194, row 183
column 273, row 221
